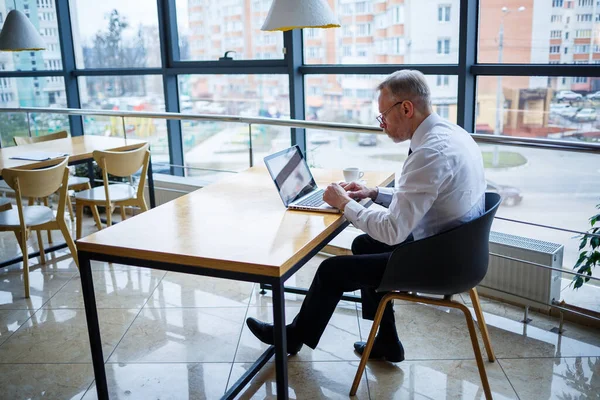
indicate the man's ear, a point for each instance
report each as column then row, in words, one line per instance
column 408, row 108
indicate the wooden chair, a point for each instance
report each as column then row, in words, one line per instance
column 38, row 183
column 21, row 140
column 121, row 164
column 445, row 264
column 75, row 182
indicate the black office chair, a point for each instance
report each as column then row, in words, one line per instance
column 445, row 264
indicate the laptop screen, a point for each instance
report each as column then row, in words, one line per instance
column 290, row 173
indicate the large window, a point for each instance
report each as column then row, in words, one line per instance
column 43, row 18
column 210, row 146
column 119, row 36
column 209, row 28
column 115, row 34
column 544, row 107
column 383, row 30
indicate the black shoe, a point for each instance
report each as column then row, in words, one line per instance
column 393, row 352
column 264, row 333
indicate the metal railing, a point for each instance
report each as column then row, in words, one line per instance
column 547, row 144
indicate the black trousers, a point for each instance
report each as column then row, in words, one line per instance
column 363, row 270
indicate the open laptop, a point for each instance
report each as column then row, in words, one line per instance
column 295, row 183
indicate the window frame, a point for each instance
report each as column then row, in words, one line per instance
column 467, row 68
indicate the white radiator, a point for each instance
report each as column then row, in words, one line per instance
column 519, row 278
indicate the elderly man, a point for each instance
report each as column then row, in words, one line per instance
column 442, row 185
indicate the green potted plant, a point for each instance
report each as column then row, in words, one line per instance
column 589, row 255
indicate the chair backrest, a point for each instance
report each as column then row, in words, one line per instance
column 457, row 259
column 39, row 183
column 36, row 182
column 124, row 164
column 121, row 163
column 20, row 140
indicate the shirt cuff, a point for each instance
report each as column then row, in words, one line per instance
column 351, row 210
column 384, row 196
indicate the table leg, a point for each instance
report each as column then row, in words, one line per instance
column 151, row 184
column 280, row 340
column 91, row 313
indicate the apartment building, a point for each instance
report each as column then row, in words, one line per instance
column 37, row 91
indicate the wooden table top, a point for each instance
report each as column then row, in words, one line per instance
column 78, row 147
column 237, row 224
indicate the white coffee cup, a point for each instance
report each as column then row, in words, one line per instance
column 352, row 174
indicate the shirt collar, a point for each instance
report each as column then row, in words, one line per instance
column 422, row 129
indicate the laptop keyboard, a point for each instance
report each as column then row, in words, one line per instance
column 314, row 200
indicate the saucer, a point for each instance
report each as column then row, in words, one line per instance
column 361, row 181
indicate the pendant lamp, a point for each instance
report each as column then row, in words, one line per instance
column 19, row 34
column 286, row 15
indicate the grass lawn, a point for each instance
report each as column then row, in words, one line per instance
column 506, row 159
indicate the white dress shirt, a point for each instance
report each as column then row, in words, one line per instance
column 442, row 185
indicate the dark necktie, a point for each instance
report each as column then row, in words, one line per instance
column 409, row 151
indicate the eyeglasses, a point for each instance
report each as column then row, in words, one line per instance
column 381, row 117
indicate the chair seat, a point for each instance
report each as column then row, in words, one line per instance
column 118, row 192
column 34, row 215
column 77, row 180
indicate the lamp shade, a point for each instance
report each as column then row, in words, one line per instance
column 19, row 34
column 286, row 15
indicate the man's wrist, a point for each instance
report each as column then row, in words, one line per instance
column 343, row 204
column 374, row 193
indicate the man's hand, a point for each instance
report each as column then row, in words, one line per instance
column 358, row 192
column 336, row 196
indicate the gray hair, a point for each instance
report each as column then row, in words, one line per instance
column 408, row 84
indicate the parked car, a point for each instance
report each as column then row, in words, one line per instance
column 594, row 96
column 320, row 138
column 560, row 108
column 585, row 115
column 511, row 196
column 367, row 139
column 568, row 95
column 186, row 107
column 570, row 112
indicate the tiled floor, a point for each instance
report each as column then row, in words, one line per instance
column 169, row 336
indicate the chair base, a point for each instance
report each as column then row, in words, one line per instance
column 446, row 302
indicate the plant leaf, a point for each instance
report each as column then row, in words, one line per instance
column 581, row 259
